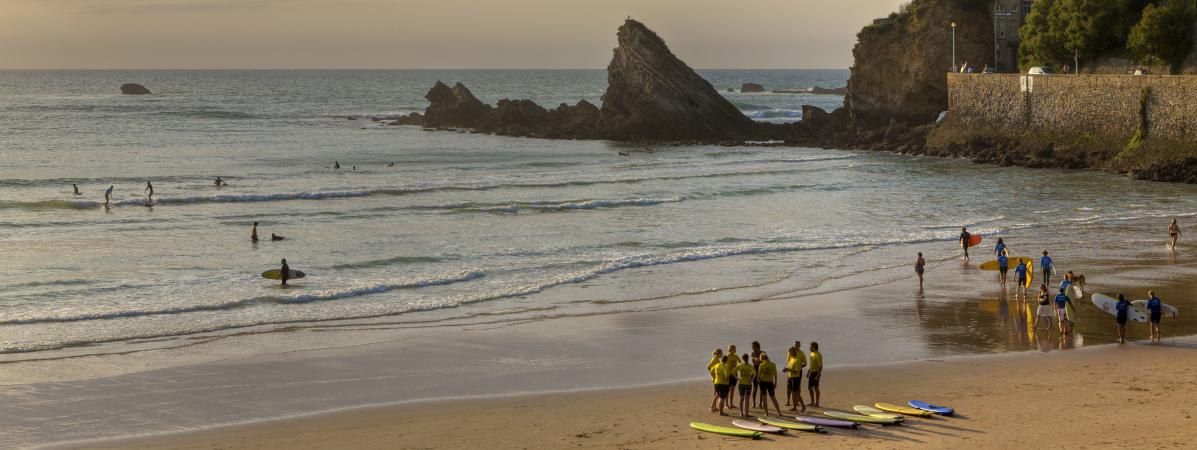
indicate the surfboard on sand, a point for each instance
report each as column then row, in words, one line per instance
column 756, row 426
column 1107, row 304
column 871, row 411
column 827, row 422
column 859, row 418
column 789, row 425
column 899, row 409
column 1012, row 263
column 1165, row 309
column 942, row 410
column 726, row 431
column 277, row 274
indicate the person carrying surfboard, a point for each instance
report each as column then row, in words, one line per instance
column 1046, row 264
column 1062, row 302
column 766, row 374
column 744, row 376
column 965, row 237
column 1122, row 309
column 1174, row 233
column 1155, row 306
column 1000, row 249
column 285, row 272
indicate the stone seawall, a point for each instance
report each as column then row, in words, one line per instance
column 1107, row 105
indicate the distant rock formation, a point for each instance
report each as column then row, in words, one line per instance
column 751, row 87
column 651, row 96
column 134, row 89
column 829, row 91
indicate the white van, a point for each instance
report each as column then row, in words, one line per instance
column 1040, row 70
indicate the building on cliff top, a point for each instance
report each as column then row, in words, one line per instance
column 1008, row 17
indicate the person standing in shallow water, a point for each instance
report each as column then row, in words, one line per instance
column 76, row 189
column 919, row 266
column 1122, row 308
column 286, row 272
column 964, row 238
column 1174, row 233
column 253, row 233
column 1045, row 263
column 108, row 197
column 149, row 189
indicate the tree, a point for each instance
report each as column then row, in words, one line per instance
column 1058, row 30
column 1164, row 33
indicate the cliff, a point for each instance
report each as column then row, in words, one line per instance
column 651, row 96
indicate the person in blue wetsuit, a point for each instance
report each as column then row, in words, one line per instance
column 1156, row 307
column 1000, row 248
column 1003, row 267
column 1062, row 302
column 1045, row 263
column 1020, row 273
column 1123, row 313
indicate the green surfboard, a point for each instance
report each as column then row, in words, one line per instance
column 277, row 274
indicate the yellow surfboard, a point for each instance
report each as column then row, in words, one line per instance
column 904, row 410
column 1013, row 261
column 1030, row 273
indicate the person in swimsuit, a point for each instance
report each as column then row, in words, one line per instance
column 920, row 265
column 815, row 374
column 285, row 273
column 149, row 189
column 767, row 374
column 1045, row 263
column 1156, row 307
column 1044, row 313
column 108, row 197
column 964, row 238
column 745, row 374
column 1122, row 309
column 1062, row 302
column 253, row 233
column 1174, row 233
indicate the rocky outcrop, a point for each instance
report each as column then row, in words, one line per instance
column 829, row 91
column 651, row 96
column 751, row 87
column 134, row 89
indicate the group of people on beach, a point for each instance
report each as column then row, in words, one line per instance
column 755, row 376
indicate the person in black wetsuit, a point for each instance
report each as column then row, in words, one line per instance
column 286, row 272
column 964, row 238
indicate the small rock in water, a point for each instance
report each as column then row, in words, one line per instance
column 134, row 89
column 751, row 87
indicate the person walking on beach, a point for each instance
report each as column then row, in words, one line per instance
column 920, row 265
column 1003, row 267
column 253, row 233
column 1000, row 249
column 758, row 397
column 1122, row 310
column 744, row 376
column 767, row 374
column 1045, row 263
column 719, row 376
column 1174, row 233
column 1156, row 307
column 285, row 273
column 76, row 189
column 108, row 197
column 1044, row 313
column 733, row 361
column 1020, row 273
column 1062, row 303
column 793, row 370
column 814, row 374
column 149, row 189
column 965, row 237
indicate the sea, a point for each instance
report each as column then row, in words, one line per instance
column 425, row 227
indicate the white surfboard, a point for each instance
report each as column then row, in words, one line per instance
column 757, row 426
column 1108, row 304
column 1165, row 309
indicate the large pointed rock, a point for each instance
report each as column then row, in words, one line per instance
column 653, row 95
column 454, row 107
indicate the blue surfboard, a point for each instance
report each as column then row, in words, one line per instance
column 919, row 404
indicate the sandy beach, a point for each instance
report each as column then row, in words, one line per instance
column 1068, row 399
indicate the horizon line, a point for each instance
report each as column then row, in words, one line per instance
column 380, row 69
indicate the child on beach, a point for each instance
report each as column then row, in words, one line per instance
column 1062, row 302
column 745, row 374
column 919, row 265
column 1123, row 312
column 732, row 362
column 1174, row 233
column 1156, row 307
column 814, row 374
column 767, row 374
column 1046, row 264
column 1020, row 273
column 1044, row 313
column 793, row 370
column 719, row 376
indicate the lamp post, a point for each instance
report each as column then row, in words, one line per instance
column 954, row 67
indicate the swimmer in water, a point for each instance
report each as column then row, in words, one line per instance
column 76, row 189
column 107, row 197
column 219, row 182
column 336, row 164
column 275, row 237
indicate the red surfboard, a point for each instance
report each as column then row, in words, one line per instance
column 973, row 240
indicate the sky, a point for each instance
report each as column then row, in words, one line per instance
column 422, row 34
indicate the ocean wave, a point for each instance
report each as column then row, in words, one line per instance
column 323, row 295
column 775, row 113
column 212, row 114
column 398, row 260
column 516, row 207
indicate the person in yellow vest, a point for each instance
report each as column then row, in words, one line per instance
column 794, row 364
column 720, row 376
column 745, row 374
column 766, row 376
column 733, row 361
column 814, row 374
column 716, row 359
column 758, row 397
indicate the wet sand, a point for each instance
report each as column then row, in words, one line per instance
column 1136, row 395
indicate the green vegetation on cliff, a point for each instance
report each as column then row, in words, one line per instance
column 1057, row 31
column 1162, row 35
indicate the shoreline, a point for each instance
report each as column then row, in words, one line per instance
column 657, row 424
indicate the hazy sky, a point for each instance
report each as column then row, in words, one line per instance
column 217, row 34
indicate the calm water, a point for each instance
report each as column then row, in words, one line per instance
column 462, row 225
